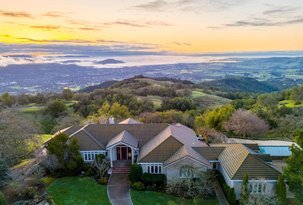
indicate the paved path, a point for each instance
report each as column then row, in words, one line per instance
column 219, row 193
column 118, row 190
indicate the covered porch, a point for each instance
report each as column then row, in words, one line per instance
column 122, row 149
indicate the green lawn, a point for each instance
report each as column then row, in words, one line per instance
column 157, row 198
column 289, row 104
column 78, row 190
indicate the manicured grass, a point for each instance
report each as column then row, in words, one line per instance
column 78, row 190
column 157, row 198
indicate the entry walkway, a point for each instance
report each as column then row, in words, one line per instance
column 219, row 193
column 118, row 189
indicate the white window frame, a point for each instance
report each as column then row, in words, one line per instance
column 90, row 156
column 153, row 168
column 188, row 175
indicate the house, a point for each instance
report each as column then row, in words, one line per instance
column 175, row 151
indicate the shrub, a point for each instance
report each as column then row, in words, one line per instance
column 2, row 198
column 231, row 197
column 135, row 173
column 103, row 180
column 90, row 172
column 200, row 187
column 154, row 179
column 138, row 186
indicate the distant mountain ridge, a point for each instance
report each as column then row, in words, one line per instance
column 109, row 61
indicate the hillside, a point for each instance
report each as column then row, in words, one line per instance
column 157, row 89
column 241, row 84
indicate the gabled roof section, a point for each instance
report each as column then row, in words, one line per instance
column 162, row 152
column 210, row 153
column 184, row 152
column 237, row 159
column 130, row 121
column 124, row 137
column 86, row 142
column 184, row 135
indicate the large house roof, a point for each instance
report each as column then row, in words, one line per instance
column 237, row 159
column 104, row 133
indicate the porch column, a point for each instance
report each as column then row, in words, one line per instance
column 133, row 155
column 111, row 157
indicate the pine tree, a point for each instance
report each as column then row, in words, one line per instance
column 3, row 171
column 244, row 196
column 281, row 190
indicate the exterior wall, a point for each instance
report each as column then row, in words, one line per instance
column 172, row 172
column 269, row 188
column 228, row 181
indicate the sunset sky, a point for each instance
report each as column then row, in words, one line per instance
column 189, row 26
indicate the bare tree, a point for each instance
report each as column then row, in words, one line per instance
column 246, row 123
column 101, row 165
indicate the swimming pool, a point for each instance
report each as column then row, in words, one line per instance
column 276, row 151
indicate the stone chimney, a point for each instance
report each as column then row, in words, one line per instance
column 111, row 120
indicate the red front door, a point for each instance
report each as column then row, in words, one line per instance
column 123, row 153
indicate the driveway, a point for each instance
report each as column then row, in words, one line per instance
column 118, row 189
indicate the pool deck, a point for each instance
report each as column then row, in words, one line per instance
column 262, row 142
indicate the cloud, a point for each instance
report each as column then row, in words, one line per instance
column 45, row 27
column 54, row 14
column 258, row 22
column 143, row 24
column 16, row 14
column 153, row 5
column 280, row 10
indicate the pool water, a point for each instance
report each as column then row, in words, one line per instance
column 282, row 151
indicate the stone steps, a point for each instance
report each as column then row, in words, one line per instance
column 121, row 170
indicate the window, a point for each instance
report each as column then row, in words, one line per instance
column 187, row 172
column 89, row 156
column 257, row 187
column 153, row 168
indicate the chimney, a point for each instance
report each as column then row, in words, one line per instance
column 111, row 120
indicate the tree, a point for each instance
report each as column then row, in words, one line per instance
column 3, row 172
column 246, row 123
column 101, row 165
column 55, row 108
column 67, row 94
column 119, row 111
column 294, row 171
column 214, row 118
column 18, row 136
column 7, row 99
column 66, row 152
column 244, row 196
column 281, row 190
column 178, row 103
